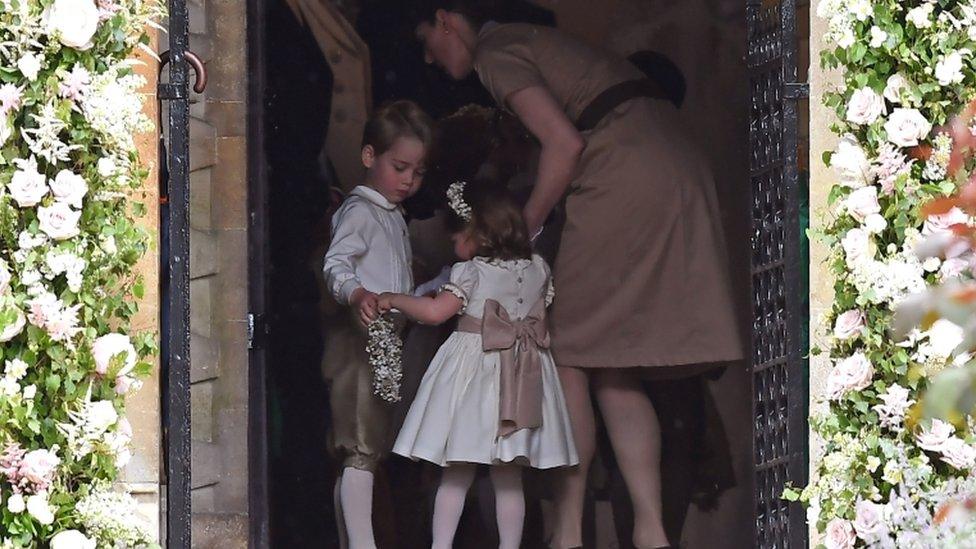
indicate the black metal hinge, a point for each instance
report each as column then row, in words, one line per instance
column 257, row 330
column 796, row 90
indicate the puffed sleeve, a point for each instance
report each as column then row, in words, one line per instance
column 505, row 64
column 349, row 241
column 464, row 276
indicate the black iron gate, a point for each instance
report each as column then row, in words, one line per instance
column 174, row 161
column 778, row 376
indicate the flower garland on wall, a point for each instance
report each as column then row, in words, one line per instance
column 69, row 108
column 888, row 478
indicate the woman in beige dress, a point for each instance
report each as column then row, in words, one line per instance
column 641, row 280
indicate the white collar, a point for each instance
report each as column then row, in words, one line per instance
column 374, row 196
column 507, row 264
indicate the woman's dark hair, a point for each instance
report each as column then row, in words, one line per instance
column 496, row 222
column 391, row 121
column 477, row 12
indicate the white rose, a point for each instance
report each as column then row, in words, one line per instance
column 850, row 374
column 863, row 202
column 72, row 539
column 949, row 69
column 865, row 107
column 875, row 223
column 106, row 166
column 12, row 330
column 839, row 535
column 848, row 324
column 906, row 127
column 107, row 347
column 869, row 522
column 878, row 37
column 850, row 163
column 919, row 16
column 16, row 504
column 847, row 38
column 59, row 221
column 943, row 223
column 38, row 466
column 29, row 65
column 896, row 84
column 860, row 9
column 40, row 509
column 27, row 186
column 30, row 392
column 15, row 369
column 931, row 264
column 101, row 415
column 74, row 21
column 944, row 337
column 69, row 188
column 958, row 454
column 935, row 436
column 857, row 246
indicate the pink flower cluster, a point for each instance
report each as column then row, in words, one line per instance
column 28, row 472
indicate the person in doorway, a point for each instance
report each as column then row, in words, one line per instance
column 491, row 395
column 643, row 279
column 369, row 254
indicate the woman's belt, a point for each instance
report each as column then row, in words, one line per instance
column 613, row 97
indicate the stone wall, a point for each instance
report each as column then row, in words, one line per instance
column 218, row 273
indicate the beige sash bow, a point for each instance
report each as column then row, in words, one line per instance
column 519, row 342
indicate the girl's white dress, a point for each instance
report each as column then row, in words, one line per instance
column 454, row 417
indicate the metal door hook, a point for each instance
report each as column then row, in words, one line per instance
column 199, row 71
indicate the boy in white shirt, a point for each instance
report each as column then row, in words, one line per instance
column 369, row 254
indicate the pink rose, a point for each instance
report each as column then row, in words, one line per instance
column 863, row 202
column 865, row 106
column 850, row 374
column 59, row 221
column 108, row 347
column 958, row 454
column 839, row 535
column 906, row 127
column 934, row 437
column 943, row 223
column 848, row 324
column 69, row 187
column 38, row 467
column 869, row 522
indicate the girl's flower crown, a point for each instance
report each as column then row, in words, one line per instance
column 455, row 199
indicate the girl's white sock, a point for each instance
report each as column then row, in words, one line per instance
column 449, row 503
column 509, row 504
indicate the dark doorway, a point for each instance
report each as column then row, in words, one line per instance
column 290, row 99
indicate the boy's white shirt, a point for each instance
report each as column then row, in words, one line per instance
column 370, row 247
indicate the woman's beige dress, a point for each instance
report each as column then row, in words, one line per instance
column 641, row 275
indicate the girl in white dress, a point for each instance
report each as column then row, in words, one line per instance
column 491, row 394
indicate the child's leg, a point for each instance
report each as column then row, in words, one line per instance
column 340, row 521
column 455, row 481
column 356, row 497
column 509, row 504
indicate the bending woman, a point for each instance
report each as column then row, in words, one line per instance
column 641, row 275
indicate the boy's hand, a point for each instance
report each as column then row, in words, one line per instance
column 366, row 304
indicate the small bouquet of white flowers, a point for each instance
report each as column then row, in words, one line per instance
column 385, row 350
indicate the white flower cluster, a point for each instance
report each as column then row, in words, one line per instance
column 48, row 312
column 841, row 16
column 385, row 350
column 91, row 430
column 114, row 109
column 455, row 199
column 886, row 281
column 935, row 166
column 112, row 518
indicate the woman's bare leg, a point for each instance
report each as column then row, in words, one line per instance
column 635, row 434
column 571, row 488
